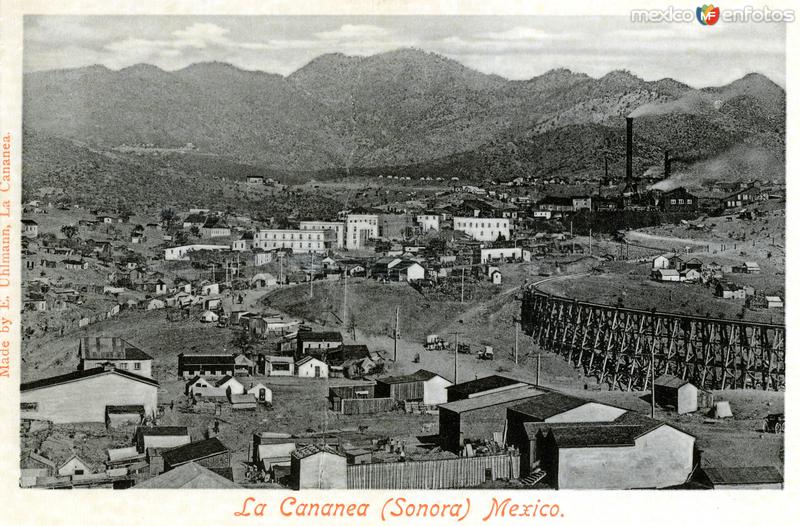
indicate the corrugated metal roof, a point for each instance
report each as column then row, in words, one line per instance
column 422, row 375
column 194, row 451
column 313, row 449
column 81, row 375
column 669, row 380
column 503, row 397
column 743, row 475
column 487, row 383
column 549, row 405
column 188, row 476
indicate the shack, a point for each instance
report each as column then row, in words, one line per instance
column 420, row 386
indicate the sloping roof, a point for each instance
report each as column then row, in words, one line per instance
column 743, row 475
column 596, row 435
column 502, row 397
column 305, row 360
column 162, row 431
column 313, row 449
column 549, row 405
column 243, row 399
column 421, row 375
column 206, row 359
column 326, row 336
column 669, row 380
column 188, row 476
column 110, row 348
column 225, row 379
column 40, row 459
column 82, row 375
column 194, row 451
column 486, row 383
column 124, row 409
column 668, row 272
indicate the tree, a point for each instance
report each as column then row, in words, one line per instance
column 195, row 231
column 69, row 231
column 168, row 216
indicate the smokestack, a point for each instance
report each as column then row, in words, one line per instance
column 605, row 160
column 667, row 163
column 628, row 149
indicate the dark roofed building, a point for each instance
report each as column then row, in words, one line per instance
column 420, row 386
column 478, row 417
column 745, row 477
column 631, row 451
column 210, row 453
column 549, row 405
column 481, row 386
column 206, row 365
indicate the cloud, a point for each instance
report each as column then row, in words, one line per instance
column 529, row 33
column 354, row 32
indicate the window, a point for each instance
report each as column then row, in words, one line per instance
column 123, row 365
column 680, row 201
column 29, row 406
column 79, row 472
column 688, row 201
column 672, row 201
column 137, row 366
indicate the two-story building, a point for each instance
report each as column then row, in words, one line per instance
column 96, row 351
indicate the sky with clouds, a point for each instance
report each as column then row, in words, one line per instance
column 513, row 47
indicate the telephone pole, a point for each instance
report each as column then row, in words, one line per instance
column 538, row 368
column 455, row 362
column 462, row 286
column 516, row 342
column 590, row 241
column 312, row 274
column 344, row 308
column 652, row 381
column 396, row 329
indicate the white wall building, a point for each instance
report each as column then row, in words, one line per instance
column 500, row 254
column 483, row 228
column 360, row 228
column 335, row 227
column 299, row 241
column 182, row 253
column 428, row 222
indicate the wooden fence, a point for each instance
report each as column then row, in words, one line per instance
column 433, row 474
column 366, row 406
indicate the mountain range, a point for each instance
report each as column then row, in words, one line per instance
column 406, row 109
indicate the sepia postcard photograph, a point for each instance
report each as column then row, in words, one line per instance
column 285, row 253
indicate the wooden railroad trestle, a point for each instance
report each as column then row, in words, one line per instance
column 615, row 344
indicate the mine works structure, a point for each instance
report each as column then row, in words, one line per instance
column 618, row 345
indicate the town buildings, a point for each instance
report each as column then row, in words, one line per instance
column 96, row 351
column 298, row 241
column 484, row 228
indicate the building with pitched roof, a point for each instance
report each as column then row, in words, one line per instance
column 744, row 477
column 482, row 386
column 478, row 417
column 209, row 453
column 94, row 351
column 206, row 365
column 318, row 467
column 84, row 396
column 188, row 476
column 421, row 386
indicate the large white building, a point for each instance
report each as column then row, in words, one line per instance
column 361, row 228
column 335, row 227
column 428, row 222
column 483, row 228
column 300, row 241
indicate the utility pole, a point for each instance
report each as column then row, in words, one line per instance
column 590, row 241
column 652, row 381
column 462, row 286
column 571, row 236
column 516, row 341
column 538, row 368
column 312, row 274
column 344, row 308
column 396, row 329
column 280, row 272
column 455, row 362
